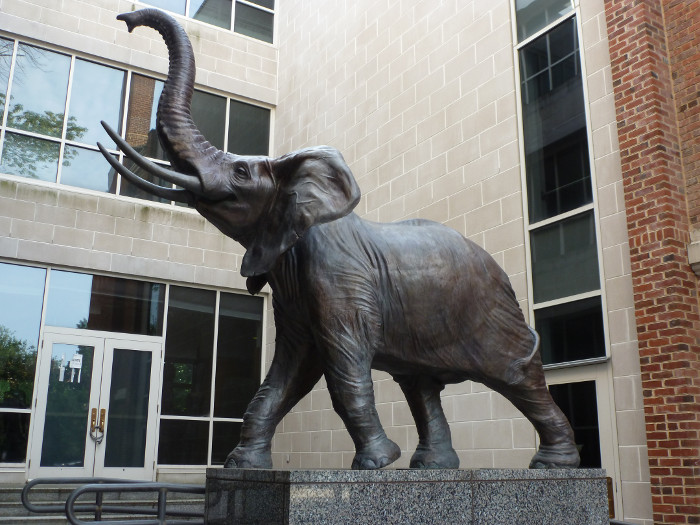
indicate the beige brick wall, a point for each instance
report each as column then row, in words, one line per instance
column 59, row 226
column 420, row 98
column 74, row 228
column 226, row 61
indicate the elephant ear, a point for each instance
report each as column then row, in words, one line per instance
column 314, row 186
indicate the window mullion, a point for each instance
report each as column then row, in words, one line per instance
column 64, row 131
column 212, row 393
column 8, row 93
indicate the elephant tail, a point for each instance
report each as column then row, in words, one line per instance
column 516, row 370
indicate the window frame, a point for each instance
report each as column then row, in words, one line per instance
column 63, row 142
column 591, row 207
column 232, row 21
column 210, row 418
column 161, row 339
column 595, row 369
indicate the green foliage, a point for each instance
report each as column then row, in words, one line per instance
column 17, row 364
column 28, row 153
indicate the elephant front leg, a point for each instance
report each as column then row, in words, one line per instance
column 292, row 375
column 434, row 440
column 350, row 385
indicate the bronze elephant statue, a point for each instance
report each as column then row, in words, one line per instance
column 414, row 298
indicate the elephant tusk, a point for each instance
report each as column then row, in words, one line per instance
column 188, row 182
column 178, row 195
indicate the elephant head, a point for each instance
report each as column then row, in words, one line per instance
column 264, row 203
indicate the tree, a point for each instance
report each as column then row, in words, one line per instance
column 17, row 365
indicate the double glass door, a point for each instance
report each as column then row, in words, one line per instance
column 96, row 407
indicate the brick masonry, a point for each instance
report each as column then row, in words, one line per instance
column 654, row 52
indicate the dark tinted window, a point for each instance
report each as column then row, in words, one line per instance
column 238, row 354
column 554, row 124
column 189, row 352
column 183, row 442
column 248, row 129
column 78, row 300
column 579, row 404
column 571, row 331
column 565, row 258
column 253, row 22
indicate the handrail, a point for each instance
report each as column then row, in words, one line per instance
column 99, row 486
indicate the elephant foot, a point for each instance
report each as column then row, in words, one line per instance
column 242, row 458
column 556, row 456
column 438, row 457
column 378, row 454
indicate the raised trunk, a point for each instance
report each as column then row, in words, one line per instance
column 188, row 150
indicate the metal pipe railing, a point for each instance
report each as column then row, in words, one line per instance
column 100, row 486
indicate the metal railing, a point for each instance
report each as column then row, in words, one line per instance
column 101, row 486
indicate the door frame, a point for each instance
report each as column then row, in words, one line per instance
column 107, row 342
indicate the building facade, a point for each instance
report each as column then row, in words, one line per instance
column 560, row 135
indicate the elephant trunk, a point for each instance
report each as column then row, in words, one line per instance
column 187, row 149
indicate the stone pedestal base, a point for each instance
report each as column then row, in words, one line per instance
column 326, row 497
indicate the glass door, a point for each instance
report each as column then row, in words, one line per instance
column 96, row 407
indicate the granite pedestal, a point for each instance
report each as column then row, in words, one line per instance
column 486, row 496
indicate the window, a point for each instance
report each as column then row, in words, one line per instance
column 21, row 299
column 579, row 403
column 534, row 15
column 97, row 302
column 566, row 285
column 562, row 229
column 212, row 370
column 52, row 104
column 253, row 18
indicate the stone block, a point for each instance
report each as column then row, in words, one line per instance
column 489, row 496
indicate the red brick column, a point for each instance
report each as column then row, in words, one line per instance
column 665, row 288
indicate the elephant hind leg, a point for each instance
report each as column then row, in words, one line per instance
column 531, row 396
column 434, row 440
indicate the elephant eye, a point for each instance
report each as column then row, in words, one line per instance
column 242, row 171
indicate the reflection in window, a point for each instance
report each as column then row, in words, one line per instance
column 87, row 168
column 238, row 354
column 209, row 114
column 215, row 12
column 248, row 129
column 37, row 135
column 533, row 15
column 189, row 350
column 26, row 156
column 564, row 258
column 141, row 120
column 97, row 93
column 39, row 89
column 21, row 299
column 97, row 302
column 67, row 406
column 554, row 124
column 253, row 22
column 174, row 6
column 6, row 49
column 579, row 403
column 571, row 331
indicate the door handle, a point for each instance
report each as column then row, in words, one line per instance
column 97, row 429
column 103, row 418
